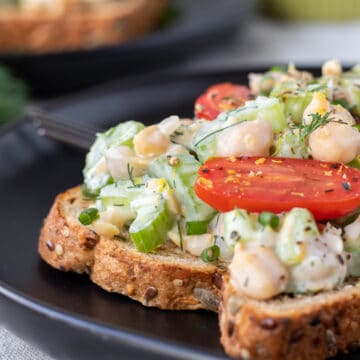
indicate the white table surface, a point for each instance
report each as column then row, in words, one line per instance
column 259, row 42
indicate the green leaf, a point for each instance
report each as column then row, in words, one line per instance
column 13, row 95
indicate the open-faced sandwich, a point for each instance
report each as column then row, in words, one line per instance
column 252, row 208
column 56, row 25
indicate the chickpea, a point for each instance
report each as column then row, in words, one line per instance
column 332, row 67
column 258, row 273
column 151, row 141
column 319, row 104
column 335, row 142
column 343, row 114
column 251, row 138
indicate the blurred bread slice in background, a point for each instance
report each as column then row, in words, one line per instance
column 60, row 25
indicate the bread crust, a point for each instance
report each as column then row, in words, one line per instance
column 168, row 278
column 107, row 24
column 302, row 327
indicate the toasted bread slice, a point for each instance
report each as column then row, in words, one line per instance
column 77, row 27
column 301, row 327
column 168, row 278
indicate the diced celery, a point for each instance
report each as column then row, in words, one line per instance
column 95, row 172
column 181, row 177
column 295, row 105
column 239, row 226
column 149, row 229
column 297, row 226
column 288, row 144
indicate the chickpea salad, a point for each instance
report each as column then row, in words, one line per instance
column 264, row 178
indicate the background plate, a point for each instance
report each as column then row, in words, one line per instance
column 64, row 313
column 201, row 24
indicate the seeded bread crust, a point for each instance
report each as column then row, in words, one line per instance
column 301, row 327
column 168, row 278
column 105, row 24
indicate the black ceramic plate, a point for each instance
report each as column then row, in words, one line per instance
column 64, row 313
column 201, row 24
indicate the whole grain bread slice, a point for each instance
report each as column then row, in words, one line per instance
column 79, row 27
column 168, row 278
column 301, row 327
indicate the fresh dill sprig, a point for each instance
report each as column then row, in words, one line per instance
column 317, row 121
column 180, row 236
column 130, row 170
column 217, row 131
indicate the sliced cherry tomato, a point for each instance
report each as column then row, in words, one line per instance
column 258, row 184
column 219, row 98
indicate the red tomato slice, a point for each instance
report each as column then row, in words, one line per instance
column 219, row 98
column 256, row 184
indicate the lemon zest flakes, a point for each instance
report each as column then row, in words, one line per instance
column 260, row 161
column 205, row 182
column 299, row 194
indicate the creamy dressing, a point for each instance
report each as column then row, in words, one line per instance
column 294, row 258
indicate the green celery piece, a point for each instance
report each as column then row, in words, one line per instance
column 119, row 194
column 289, row 144
column 298, row 224
column 149, row 229
column 355, row 95
column 181, row 177
column 294, row 105
column 239, row 226
column 122, row 134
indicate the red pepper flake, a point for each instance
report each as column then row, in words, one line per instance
column 205, row 170
column 335, row 166
column 355, row 179
column 329, row 190
column 346, row 186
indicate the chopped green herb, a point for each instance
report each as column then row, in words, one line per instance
column 217, row 131
column 267, row 218
column 210, row 254
column 180, row 235
column 130, row 170
column 316, row 122
column 88, row 216
column 196, row 227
